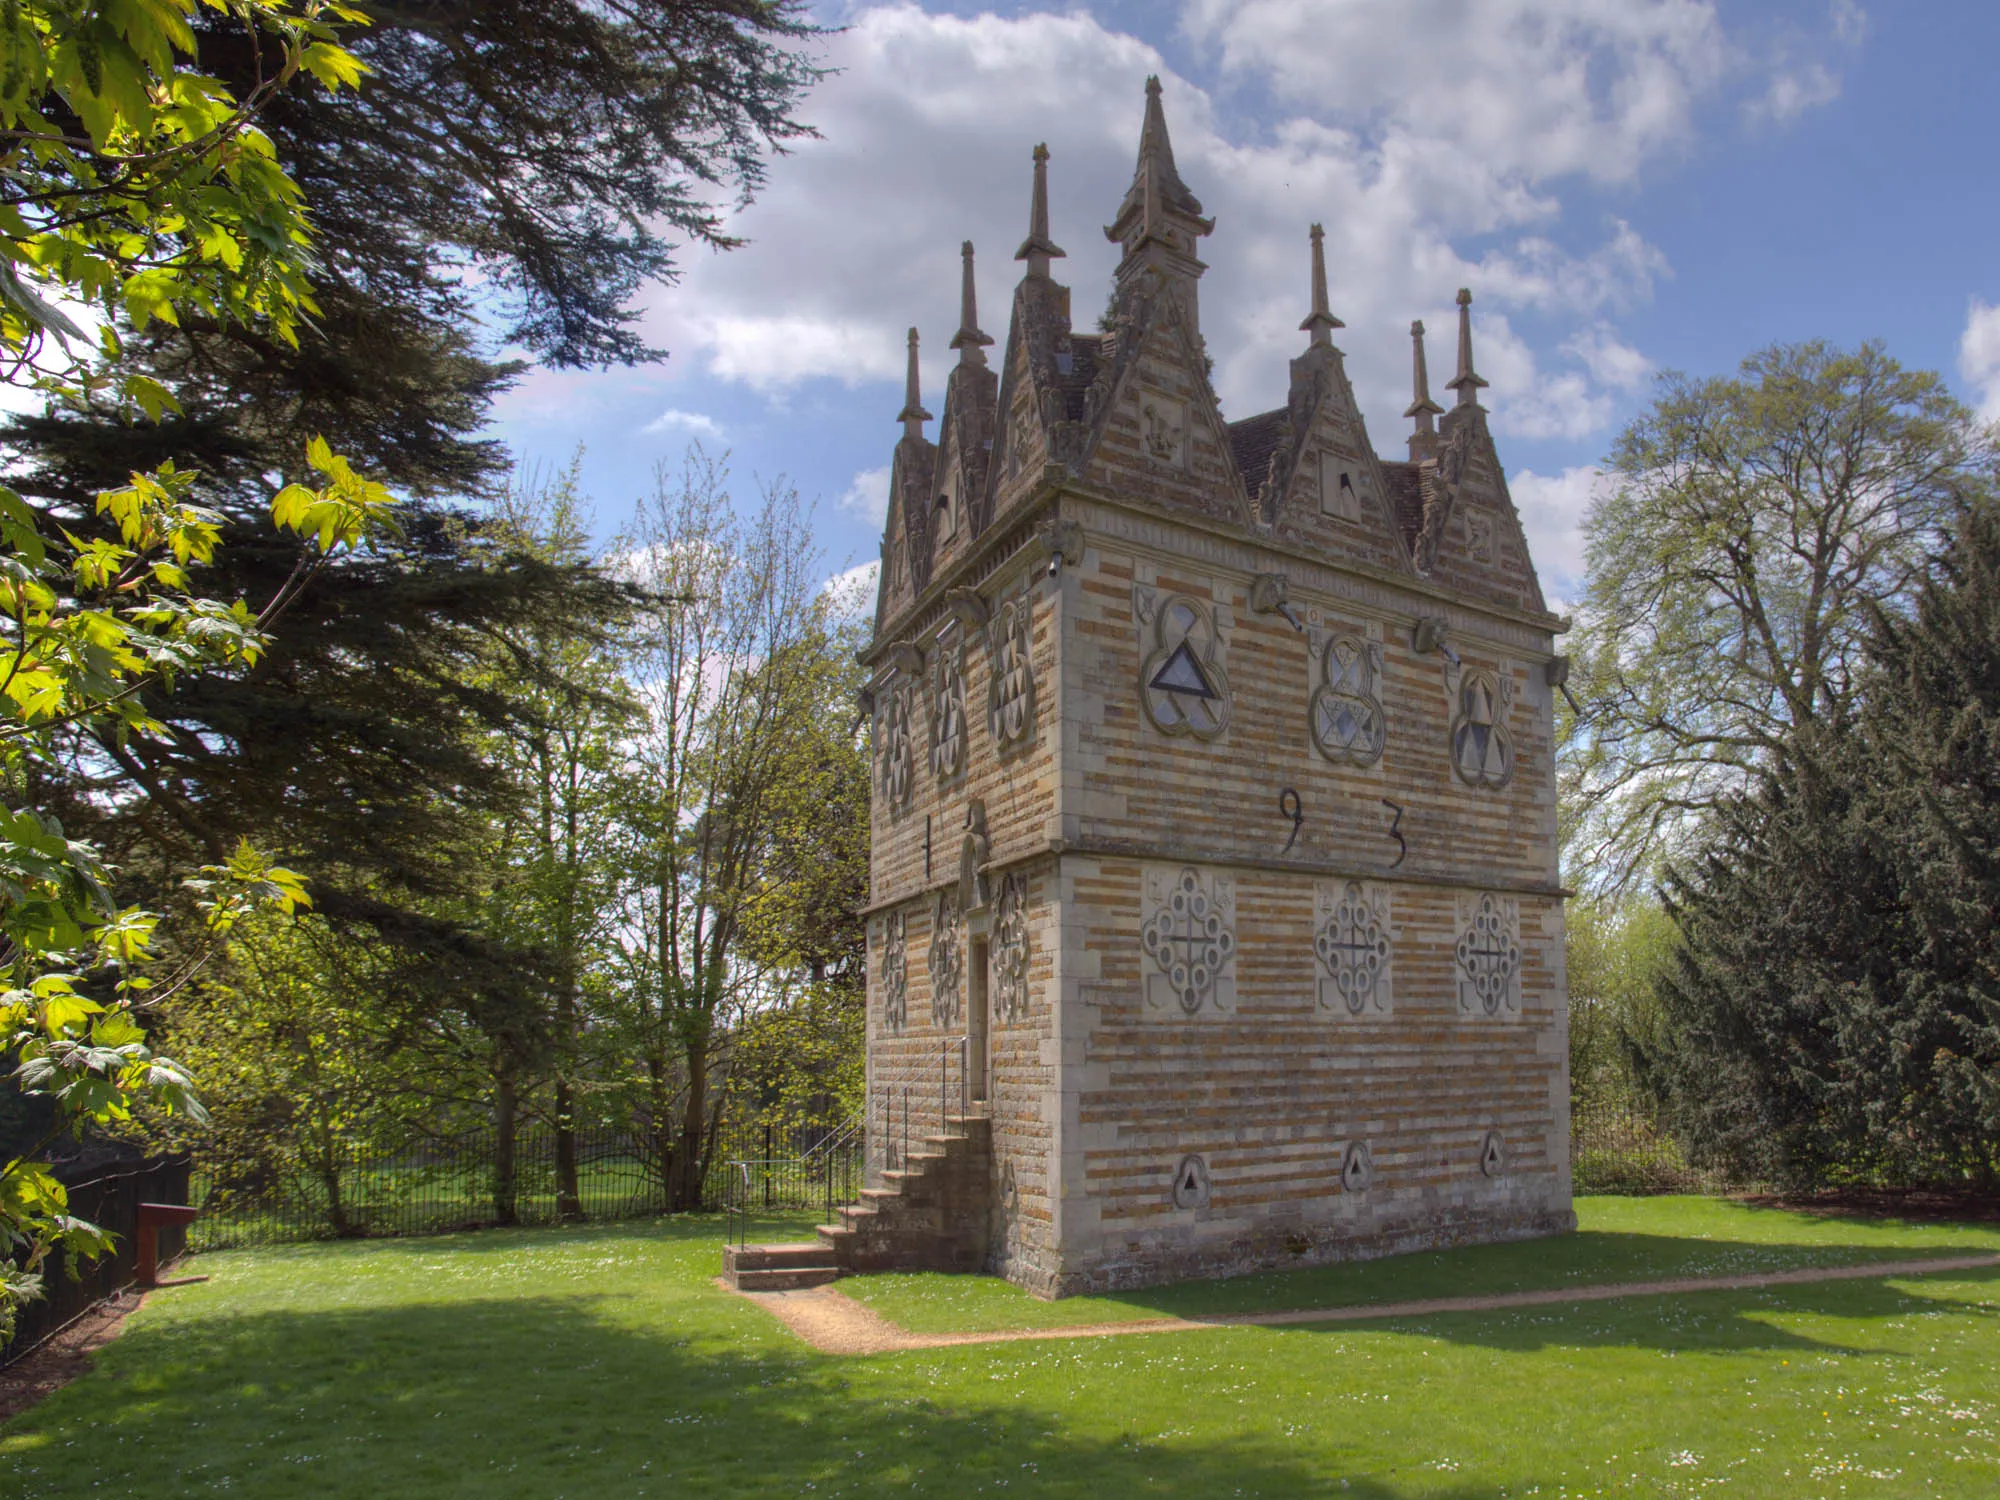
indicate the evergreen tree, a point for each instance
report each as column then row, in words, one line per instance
column 511, row 172
column 1834, row 1014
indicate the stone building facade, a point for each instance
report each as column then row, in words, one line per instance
column 1214, row 817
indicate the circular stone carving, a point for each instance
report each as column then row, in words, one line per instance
column 1493, row 1155
column 1347, row 720
column 1188, row 939
column 1182, row 685
column 1354, row 948
column 1488, row 956
column 898, row 755
column 1191, row 1183
column 895, row 972
column 1357, row 1168
column 1009, row 954
column 947, row 961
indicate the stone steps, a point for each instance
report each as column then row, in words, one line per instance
column 778, row 1268
column 931, row 1212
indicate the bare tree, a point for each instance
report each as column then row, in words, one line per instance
column 1751, row 526
column 737, row 667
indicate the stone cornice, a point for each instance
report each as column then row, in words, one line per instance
column 1326, row 576
column 1177, row 854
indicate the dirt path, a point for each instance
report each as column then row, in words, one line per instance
column 834, row 1323
column 27, row 1381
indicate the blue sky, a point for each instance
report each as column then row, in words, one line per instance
column 1626, row 186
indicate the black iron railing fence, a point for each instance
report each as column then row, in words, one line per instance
column 819, row 1180
column 1617, row 1145
column 442, row 1186
column 109, row 1199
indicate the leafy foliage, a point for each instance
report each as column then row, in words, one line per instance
column 135, row 186
column 1753, row 526
column 1835, row 1013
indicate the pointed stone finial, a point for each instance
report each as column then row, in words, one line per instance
column 1465, row 382
column 912, row 416
column 1320, row 322
column 1160, row 221
column 1425, row 410
column 968, row 341
column 1157, row 197
column 1038, row 249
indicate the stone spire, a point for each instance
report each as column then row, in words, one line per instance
column 1160, row 220
column 1320, row 322
column 1465, row 382
column 968, row 341
column 1425, row 410
column 912, row 416
column 1038, row 249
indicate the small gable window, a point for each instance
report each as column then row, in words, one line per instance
column 1338, row 496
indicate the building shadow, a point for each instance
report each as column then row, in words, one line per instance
column 560, row 1396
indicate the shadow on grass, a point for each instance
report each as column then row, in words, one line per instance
column 1693, row 1323
column 1587, row 1258
column 549, row 1397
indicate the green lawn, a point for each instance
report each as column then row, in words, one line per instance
column 1618, row 1239
column 602, row 1362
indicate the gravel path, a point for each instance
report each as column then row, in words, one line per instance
column 834, row 1323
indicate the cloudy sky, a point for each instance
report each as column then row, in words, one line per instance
column 1625, row 185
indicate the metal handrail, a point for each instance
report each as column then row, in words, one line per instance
column 738, row 1213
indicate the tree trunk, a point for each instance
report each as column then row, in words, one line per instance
column 506, row 1132
column 684, row 1183
column 660, row 1121
column 569, row 1199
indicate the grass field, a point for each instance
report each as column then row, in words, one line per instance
column 603, row 1362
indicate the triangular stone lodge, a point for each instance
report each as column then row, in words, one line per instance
column 1215, row 920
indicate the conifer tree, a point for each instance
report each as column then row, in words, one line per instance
column 507, row 178
column 1835, row 1011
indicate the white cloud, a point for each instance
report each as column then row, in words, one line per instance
column 1850, row 23
column 1553, row 508
column 694, row 423
column 1455, row 133
column 1979, row 357
column 1793, row 91
column 1527, row 89
column 853, row 591
column 867, row 496
column 1613, row 363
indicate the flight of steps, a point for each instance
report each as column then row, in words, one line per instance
column 931, row 1214
column 777, row 1268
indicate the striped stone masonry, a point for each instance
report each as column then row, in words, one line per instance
column 1214, row 819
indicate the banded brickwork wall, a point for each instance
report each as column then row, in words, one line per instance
column 914, row 1072
column 1265, row 1076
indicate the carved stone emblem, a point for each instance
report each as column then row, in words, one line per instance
column 1191, row 1182
column 946, row 962
column 1187, row 929
column 1009, row 954
column 1353, row 949
column 1493, row 1155
column 1357, row 1168
column 1163, row 430
column 1348, row 724
column 896, row 771
column 894, row 972
column 1479, row 535
column 1489, row 956
column 973, row 851
column 1482, row 751
column 1181, row 681
column 1011, row 682
column 947, row 708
